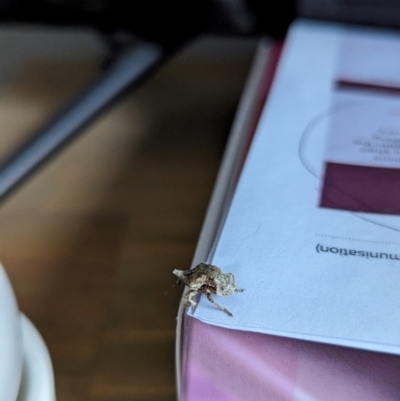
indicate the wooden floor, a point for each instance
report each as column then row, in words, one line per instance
column 90, row 242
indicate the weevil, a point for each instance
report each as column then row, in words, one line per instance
column 209, row 280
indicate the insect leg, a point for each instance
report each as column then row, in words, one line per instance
column 189, row 299
column 218, row 305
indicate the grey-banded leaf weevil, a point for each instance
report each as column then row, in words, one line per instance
column 209, row 280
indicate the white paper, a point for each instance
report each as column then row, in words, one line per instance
column 309, row 272
column 370, row 56
column 365, row 132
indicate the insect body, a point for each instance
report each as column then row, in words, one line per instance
column 207, row 279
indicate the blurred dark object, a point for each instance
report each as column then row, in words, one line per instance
column 127, row 72
column 162, row 21
column 382, row 13
column 173, row 21
column 139, row 42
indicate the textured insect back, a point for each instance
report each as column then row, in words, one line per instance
column 225, row 286
column 206, row 279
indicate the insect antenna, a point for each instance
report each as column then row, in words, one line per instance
column 179, row 283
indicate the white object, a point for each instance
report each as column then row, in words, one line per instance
column 37, row 376
column 26, row 372
column 11, row 343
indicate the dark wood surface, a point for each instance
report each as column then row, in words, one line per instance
column 91, row 241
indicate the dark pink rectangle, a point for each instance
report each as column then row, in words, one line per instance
column 367, row 86
column 361, row 189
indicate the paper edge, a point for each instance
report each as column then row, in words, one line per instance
column 242, row 124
